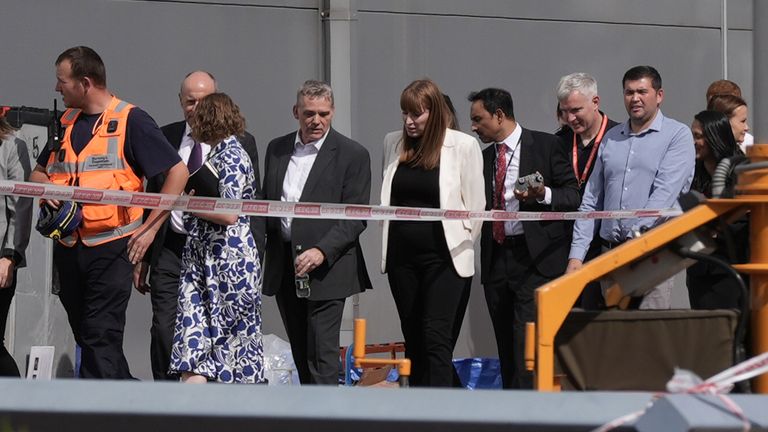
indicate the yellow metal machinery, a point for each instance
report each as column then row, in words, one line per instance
column 556, row 299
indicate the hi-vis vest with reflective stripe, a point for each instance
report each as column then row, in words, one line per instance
column 100, row 165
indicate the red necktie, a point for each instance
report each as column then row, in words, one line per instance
column 498, row 193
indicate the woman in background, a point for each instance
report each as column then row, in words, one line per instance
column 15, row 223
column 218, row 323
column 430, row 264
column 736, row 109
column 710, row 287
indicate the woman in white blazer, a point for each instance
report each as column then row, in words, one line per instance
column 430, row 264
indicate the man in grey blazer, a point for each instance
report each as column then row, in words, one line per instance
column 315, row 164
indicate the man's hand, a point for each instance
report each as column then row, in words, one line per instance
column 52, row 203
column 140, row 242
column 140, row 277
column 39, row 175
column 533, row 193
column 6, row 272
column 308, row 261
column 573, row 265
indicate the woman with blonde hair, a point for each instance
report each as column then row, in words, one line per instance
column 430, row 264
column 218, row 324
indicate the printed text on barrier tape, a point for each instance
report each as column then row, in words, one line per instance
column 300, row 210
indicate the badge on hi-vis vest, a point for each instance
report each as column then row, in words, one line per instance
column 100, row 162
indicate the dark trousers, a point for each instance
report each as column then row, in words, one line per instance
column 95, row 288
column 313, row 330
column 592, row 296
column 431, row 300
column 8, row 366
column 509, row 293
column 714, row 291
column 164, row 280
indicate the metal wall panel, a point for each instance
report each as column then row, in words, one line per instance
column 261, row 51
column 697, row 13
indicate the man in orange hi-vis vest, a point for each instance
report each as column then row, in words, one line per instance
column 107, row 144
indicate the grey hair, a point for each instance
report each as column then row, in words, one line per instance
column 313, row 89
column 584, row 83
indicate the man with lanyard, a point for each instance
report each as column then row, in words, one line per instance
column 644, row 163
column 584, row 130
column 108, row 144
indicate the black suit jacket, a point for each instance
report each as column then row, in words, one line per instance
column 174, row 132
column 548, row 241
column 341, row 174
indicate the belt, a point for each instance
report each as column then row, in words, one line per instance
column 515, row 240
column 610, row 244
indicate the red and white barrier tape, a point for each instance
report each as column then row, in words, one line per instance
column 716, row 385
column 299, row 210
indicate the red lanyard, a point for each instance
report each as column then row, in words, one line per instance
column 583, row 177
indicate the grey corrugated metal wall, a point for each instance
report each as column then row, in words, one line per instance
column 260, row 51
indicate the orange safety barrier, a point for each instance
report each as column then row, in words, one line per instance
column 359, row 351
column 555, row 299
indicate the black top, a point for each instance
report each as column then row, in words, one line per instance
column 146, row 149
column 582, row 151
column 415, row 187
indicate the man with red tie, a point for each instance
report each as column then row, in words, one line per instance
column 518, row 257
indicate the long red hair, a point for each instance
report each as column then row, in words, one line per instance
column 424, row 152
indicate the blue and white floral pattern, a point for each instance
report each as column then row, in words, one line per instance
column 218, row 321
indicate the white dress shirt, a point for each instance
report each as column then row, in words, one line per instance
column 512, row 157
column 299, row 166
column 185, row 150
column 512, row 145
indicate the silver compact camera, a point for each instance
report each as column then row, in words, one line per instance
column 530, row 181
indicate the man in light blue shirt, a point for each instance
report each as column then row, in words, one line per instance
column 644, row 163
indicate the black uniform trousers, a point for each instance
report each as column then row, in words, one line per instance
column 164, row 294
column 95, row 289
column 509, row 294
column 313, row 329
column 8, row 366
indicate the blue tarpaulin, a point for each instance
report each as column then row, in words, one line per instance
column 474, row 373
column 479, row 373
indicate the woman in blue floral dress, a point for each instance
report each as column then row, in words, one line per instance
column 218, row 323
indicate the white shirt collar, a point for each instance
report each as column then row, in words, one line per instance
column 514, row 138
column 297, row 144
column 186, row 139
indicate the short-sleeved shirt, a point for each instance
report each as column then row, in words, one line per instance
column 147, row 151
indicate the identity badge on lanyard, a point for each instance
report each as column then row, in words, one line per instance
column 583, row 176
